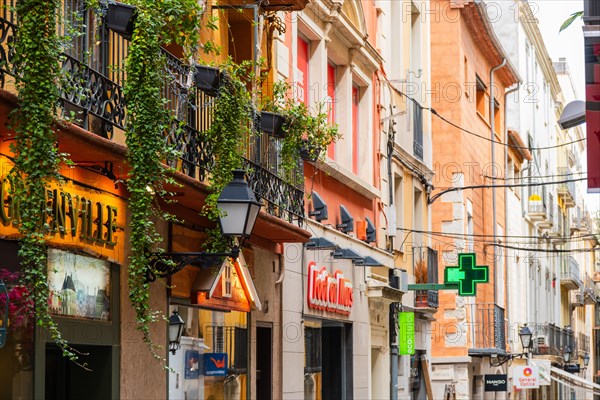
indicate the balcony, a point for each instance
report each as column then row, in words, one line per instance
column 487, row 330
column 549, row 339
column 570, row 277
column 93, row 95
column 590, row 291
column 425, row 261
column 566, row 191
column 580, row 221
column 556, row 232
column 539, row 208
column 426, row 299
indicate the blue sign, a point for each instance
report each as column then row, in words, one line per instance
column 192, row 364
column 215, row 364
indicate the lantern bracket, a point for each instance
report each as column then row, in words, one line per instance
column 163, row 265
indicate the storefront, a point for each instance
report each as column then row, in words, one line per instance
column 215, row 305
column 85, row 236
column 327, row 335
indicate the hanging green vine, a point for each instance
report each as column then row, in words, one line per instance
column 306, row 134
column 36, row 157
column 231, row 128
column 156, row 23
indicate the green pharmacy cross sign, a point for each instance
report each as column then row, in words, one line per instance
column 466, row 275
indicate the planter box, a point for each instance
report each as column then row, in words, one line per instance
column 208, row 79
column 272, row 123
column 120, row 18
column 308, row 152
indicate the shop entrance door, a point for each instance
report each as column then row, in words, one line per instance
column 337, row 361
column 67, row 380
column 264, row 355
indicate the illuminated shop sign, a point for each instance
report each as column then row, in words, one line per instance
column 328, row 292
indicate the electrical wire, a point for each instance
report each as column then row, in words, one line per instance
column 473, row 235
column 497, row 142
column 455, row 189
column 434, row 112
column 534, row 177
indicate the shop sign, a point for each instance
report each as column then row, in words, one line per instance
column 328, row 292
column 496, row 383
column 75, row 216
column 526, row 377
column 406, row 324
column 215, row 364
column 544, row 366
column 79, row 285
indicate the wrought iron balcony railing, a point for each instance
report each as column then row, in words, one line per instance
column 425, row 261
column 570, row 276
column 487, row 329
column 566, row 191
column 92, row 95
column 426, row 299
column 549, row 339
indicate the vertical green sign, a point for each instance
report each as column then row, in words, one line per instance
column 406, row 339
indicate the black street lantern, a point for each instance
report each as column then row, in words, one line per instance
column 586, row 360
column 238, row 206
column 525, row 335
column 567, row 354
column 175, row 331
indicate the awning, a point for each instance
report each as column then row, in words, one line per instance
column 573, row 381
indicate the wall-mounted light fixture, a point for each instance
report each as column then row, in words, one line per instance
column 239, row 210
column 319, row 207
column 525, row 335
column 175, row 330
column 347, row 224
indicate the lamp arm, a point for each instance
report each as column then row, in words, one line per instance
column 162, row 265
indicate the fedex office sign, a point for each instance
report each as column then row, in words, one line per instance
column 328, row 292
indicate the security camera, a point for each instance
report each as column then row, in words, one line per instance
column 572, row 115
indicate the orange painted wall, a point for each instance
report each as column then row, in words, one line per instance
column 453, row 150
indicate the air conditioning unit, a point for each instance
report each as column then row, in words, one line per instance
column 541, row 340
column 399, row 279
column 542, row 344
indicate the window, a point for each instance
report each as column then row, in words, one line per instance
column 470, row 238
column 312, row 350
column 226, row 281
column 355, row 128
column 480, row 98
column 331, row 100
column 302, row 71
column 497, row 119
column 417, row 131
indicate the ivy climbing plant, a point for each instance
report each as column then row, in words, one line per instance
column 157, row 23
column 37, row 55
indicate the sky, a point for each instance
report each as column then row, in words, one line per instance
column 568, row 43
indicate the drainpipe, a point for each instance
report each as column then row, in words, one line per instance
column 494, row 168
column 509, row 91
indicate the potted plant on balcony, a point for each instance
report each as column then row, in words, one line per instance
column 208, row 79
column 307, row 132
column 272, row 123
column 120, row 17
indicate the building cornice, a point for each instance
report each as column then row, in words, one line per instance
column 477, row 21
column 532, row 30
